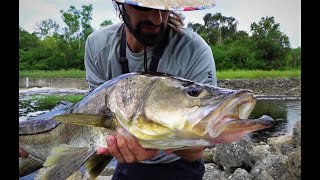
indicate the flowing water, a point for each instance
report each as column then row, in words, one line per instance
column 285, row 112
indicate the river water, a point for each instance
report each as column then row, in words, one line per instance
column 285, row 112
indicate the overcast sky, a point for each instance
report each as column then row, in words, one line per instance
column 286, row 12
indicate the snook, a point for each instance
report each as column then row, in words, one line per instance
column 161, row 111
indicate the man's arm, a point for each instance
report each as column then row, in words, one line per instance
column 94, row 76
column 201, row 68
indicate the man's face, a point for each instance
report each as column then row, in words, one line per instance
column 148, row 27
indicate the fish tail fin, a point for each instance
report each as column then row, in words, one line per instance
column 96, row 164
column 63, row 161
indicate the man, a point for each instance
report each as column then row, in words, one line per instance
column 150, row 39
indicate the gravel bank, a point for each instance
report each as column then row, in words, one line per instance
column 283, row 87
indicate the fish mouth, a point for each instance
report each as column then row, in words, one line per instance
column 229, row 118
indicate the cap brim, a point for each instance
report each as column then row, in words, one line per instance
column 178, row 5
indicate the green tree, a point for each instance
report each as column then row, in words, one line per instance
column 27, row 40
column 27, row 44
column 269, row 43
column 105, row 23
column 216, row 29
column 71, row 19
column 46, row 27
column 78, row 24
column 294, row 59
column 86, row 18
column 197, row 27
column 223, row 27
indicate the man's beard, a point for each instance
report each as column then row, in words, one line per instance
column 149, row 39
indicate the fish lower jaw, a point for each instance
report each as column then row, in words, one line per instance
column 216, row 130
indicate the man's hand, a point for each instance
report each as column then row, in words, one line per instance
column 125, row 148
column 190, row 154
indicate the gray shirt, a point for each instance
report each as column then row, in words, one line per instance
column 186, row 55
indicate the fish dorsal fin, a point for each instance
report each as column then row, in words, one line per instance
column 63, row 161
column 97, row 120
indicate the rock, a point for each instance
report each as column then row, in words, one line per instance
column 240, row 174
column 296, row 134
column 212, row 172
column 207, row 156
column 273, row 167
column 295, row 162
column 234, row 155
column 290, row 87
column 281, row 145
column 262, row 143
column 261, row 151
column 261, row 174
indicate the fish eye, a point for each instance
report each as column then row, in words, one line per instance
column 194, row 91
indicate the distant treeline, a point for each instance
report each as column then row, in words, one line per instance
column 265, row 47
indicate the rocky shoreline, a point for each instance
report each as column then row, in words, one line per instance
column 277, row 159
column 278, row 87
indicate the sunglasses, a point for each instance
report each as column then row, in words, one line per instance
column 140, row 8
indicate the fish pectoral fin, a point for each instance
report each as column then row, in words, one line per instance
column 98, row 120
column 28, row 165
column 64, row 160
column 96, row 164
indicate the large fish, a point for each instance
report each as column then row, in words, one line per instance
column 161, row 111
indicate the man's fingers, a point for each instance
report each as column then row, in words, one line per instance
column 103, row 150
column 122, row 139
column 125, row 148
column 138, row 152
column 135, row 148
column 113, row 148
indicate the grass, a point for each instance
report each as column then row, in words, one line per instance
column 255, row 74
column 54, row 99
column 225, row 74
column 53, row 74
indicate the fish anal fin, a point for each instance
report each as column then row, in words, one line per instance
column 63, row 161
column 96, row 164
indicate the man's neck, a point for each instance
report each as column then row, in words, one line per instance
column 134, row 45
